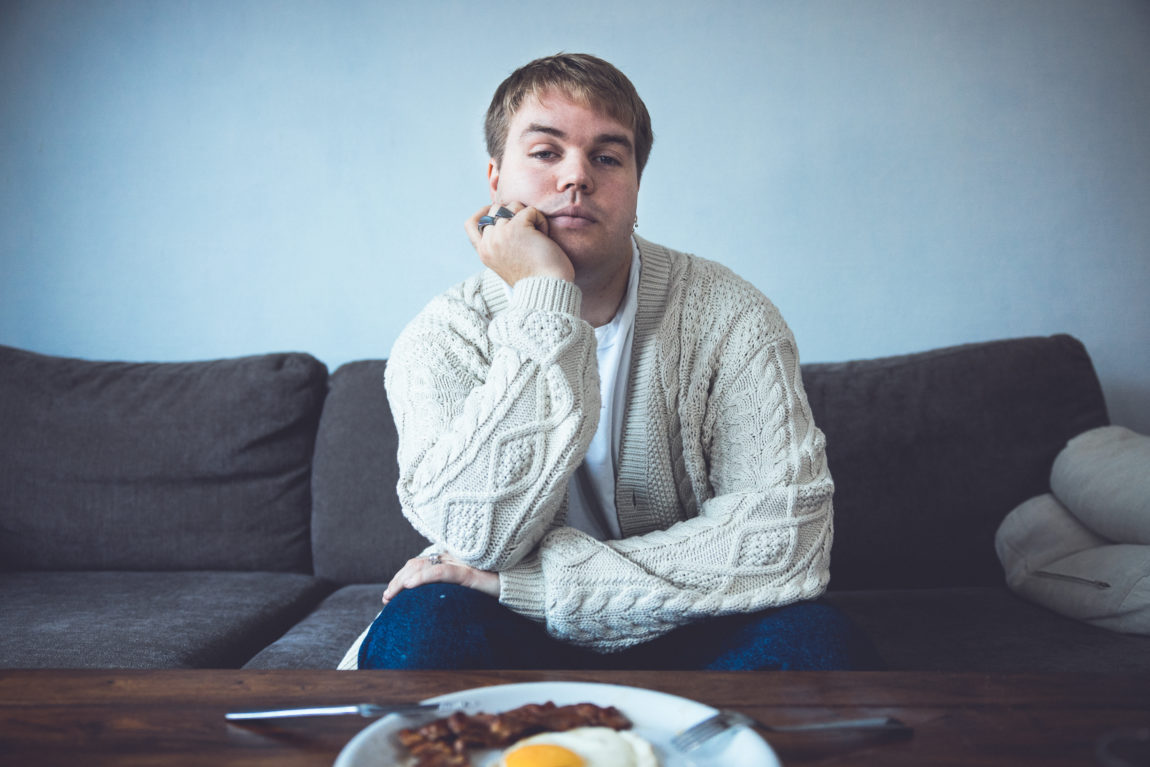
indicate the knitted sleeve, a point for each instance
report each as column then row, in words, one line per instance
column 762, row 537
column 493, row 416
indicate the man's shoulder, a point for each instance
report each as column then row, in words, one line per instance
column 462, row 312
column 703, row 282
column 470, row 296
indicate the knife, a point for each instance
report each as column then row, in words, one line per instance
column 362, row 709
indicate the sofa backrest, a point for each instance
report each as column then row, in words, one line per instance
column 930, row 451
column 157, row 466
column 359, row 533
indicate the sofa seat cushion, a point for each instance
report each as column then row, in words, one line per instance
column 147, row 620
column 985, row 629
column 322, row 638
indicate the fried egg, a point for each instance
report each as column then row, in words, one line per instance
column 581, row 747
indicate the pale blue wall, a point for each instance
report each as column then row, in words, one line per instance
column 184, row 180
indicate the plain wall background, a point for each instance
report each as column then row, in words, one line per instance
column 187, row 180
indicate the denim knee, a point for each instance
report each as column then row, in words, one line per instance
column 445, row 626
column 438, row 625
column 802, row 636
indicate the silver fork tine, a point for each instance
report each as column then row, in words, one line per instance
column 696, row 734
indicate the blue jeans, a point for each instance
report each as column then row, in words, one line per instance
column 444, row 626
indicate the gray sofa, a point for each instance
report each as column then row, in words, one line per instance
column 242, row 512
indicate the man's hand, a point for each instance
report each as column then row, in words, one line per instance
column 519, row 247
column 448, row 569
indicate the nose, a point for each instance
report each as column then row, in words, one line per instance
column 575, row 174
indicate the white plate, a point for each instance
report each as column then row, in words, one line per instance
column 656, row 716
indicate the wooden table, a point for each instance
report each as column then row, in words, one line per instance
column 177, row 717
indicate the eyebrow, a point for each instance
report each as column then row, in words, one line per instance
column 602, row 138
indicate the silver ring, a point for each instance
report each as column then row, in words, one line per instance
column 434, row 558
column 490, row 221
column 486, row 221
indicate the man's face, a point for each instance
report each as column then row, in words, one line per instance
column 577, row 166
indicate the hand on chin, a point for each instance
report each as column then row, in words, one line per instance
column 518, row 246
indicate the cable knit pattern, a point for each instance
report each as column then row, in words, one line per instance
column 723, row 493
column 493, row 414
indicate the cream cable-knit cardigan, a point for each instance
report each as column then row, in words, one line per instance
column 723, row 494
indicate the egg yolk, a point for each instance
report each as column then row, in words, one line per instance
column 542, row 755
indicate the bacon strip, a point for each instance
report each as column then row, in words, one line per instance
column 445, row 742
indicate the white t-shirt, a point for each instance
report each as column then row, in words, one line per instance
column 591, row 492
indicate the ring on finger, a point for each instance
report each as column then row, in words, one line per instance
column 486, row 221
column 435, row 558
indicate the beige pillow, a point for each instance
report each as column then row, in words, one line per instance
column 1103, row 477
column 1051, row 558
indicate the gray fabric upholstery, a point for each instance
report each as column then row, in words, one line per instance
column 930, row 451
column 359, row 533
column 321, row 639
column 116, row 467
column 985, row 629
column 935, row 447
column 147, row 620
column 157, row 466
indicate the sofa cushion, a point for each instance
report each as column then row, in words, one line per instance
column 147, row 620
column 930, row 451
column 157, row 466
column 321, row 639
column 985, row 629
column 359, row 533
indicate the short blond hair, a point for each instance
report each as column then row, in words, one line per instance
column 583, row 78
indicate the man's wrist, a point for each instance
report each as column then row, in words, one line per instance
column 521, row 588
column 548, row 294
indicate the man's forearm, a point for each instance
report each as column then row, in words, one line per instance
column 484, row 458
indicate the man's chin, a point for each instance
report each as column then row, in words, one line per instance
column 588, row 252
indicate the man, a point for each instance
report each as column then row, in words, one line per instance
column 606, row 441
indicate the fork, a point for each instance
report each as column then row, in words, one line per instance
column 695, row 735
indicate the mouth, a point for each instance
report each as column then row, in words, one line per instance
column 573, row 216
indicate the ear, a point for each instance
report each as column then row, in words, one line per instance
column 493, row 179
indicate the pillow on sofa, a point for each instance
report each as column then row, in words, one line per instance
column 157, row 466
column 1103, row 477
column 1052, row 559
column 1043, row 530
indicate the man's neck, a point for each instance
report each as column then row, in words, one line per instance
column 603, row 293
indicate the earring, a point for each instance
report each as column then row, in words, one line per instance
column 636, row 226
